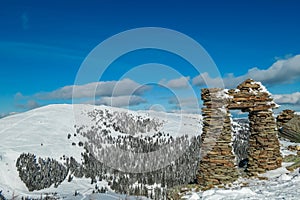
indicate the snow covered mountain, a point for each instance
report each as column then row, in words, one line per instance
column 64, row 136
column 99, row 152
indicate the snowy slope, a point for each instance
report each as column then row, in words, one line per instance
column 282, row 184
column 44, row 132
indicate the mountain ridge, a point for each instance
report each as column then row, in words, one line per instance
column 55, row 132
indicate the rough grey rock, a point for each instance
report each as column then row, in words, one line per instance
column 291, row 129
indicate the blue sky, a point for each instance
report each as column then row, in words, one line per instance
column 43, row 44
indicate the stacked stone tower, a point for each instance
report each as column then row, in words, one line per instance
column 264, row 148
column 218, row 165
column 284, row 117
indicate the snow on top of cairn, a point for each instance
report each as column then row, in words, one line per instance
column 223, row 94
column 262, row 88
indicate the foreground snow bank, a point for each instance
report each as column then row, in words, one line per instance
column 282, row 184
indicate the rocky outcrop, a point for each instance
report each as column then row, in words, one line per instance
column 284, row 117
column 295, row 159
column 288, row 124
column 291, row 129
column 217, row 166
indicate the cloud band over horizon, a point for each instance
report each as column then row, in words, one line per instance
column 128, row 92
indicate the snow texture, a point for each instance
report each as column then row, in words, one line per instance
column 44, row 132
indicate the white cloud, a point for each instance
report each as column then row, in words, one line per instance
column 187, row 111
column 97, row 89
column 185, row 105
column 121, row 101
column 30, row 104
column 282, row 71
column 19, row 96
column 204, row 79
column 287, row 98
column 185, row 102
column 179, row 83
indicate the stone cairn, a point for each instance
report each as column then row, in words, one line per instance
column 284, row 117
column 264, row 147
column 218, row 165
column 288, row 123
